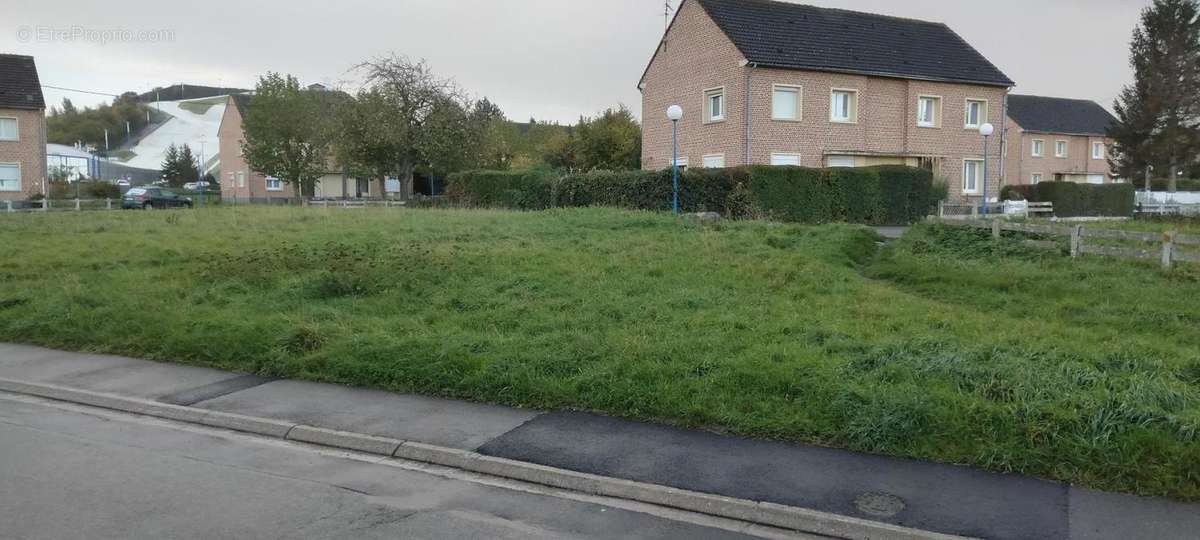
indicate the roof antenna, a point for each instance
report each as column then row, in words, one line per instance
column 666, row 14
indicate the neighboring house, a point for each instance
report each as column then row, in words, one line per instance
column 22, row 129
column 765, row 82
column 1057, row 139
column 240, row 183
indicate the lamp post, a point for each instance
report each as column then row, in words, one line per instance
column 986, row 130
column 674, row 113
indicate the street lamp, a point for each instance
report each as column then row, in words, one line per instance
column 986, row 130
column 674, row 113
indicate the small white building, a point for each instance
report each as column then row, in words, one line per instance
column 77, row 163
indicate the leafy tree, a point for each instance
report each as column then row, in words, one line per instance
column 612, row 141
column 289, row 134
column 1159, row 114
column 404, row 117
column 68, row 125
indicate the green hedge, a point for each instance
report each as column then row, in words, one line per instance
column 873, row 195
column 1075, row 200
column 1160, row 184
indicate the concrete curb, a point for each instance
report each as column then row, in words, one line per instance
column 762, row 513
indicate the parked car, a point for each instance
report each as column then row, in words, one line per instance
column 149, row 198
column 196, row 186
column 123, row 183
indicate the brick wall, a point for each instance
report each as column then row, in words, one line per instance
column 29, row 151
column 230, row 137
column 696, row 55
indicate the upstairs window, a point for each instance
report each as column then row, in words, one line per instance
column 929, row 111
column 1097, row 150
column 1039, row 148
column 976, row 113
column 8, row 129
column 1060, row 149
column 843, row 106
column 785, row 102
column 714, row 105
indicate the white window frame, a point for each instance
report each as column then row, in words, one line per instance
column 983, row 113
column 709, row 94
column 16, row 128
column 978, row 177
column 241, row 179
column 1038, row 148
column 937, row 112
column 704, row 161
column 680, row 162
column 852, row 106
column 18, row 167
column 786, row 154
column 829, row 162
column 1066, row 148
column 1036, row 178
column 279, row 183
column 1102, row 150
column 799, row 93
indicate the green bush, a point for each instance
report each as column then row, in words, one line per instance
column 1160, row 184
column 100, row 190
column 872, row 195
column 1075, row 200
column 525, row 190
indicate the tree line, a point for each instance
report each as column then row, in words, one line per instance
column 1158, row 128
column 67, row 124
column 405, row 120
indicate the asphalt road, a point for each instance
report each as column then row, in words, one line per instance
column 76, row 472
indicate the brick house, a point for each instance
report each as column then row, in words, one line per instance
column 22, row 129
column 1057, row 139
column 765, row 82
column 241, row 184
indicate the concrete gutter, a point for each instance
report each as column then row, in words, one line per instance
column 762, row 513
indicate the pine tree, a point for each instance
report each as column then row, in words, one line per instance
column 1159, row 114
column 170, row 164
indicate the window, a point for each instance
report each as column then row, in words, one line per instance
column 1097, row 150
column 274, row 184
column 843, row 106
column 1060, row 149
column 10, row 177
column 1039, row 148
column 785, row 102
column 782, row 159
column 929, row 111
column 681, row 162
column 714, row 108
column 840, row 161
column 972, row 174
column 8, row 129
column 1036, row 178
column 241, row 179
column 976, row 113
column 714, row 161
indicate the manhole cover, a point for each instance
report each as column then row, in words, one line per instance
column 879, row 504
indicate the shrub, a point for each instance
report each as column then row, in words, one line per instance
column 1160, row 184
column 1074, row 200
column 873, row 195
column 100, row 190
column 525, row 190
column 1022, row 192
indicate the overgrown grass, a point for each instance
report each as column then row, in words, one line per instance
column 943, row 346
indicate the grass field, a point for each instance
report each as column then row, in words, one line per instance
column 942, row 346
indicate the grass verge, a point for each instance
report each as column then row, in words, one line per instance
column 944, row 346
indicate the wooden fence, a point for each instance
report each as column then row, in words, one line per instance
column 1085, row 241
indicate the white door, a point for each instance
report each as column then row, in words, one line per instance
column 1095, row 178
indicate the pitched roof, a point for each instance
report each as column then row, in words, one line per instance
column 1059, row 115
column 241, row 101
column 19, row 84
column 795, row 36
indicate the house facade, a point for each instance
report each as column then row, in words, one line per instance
column 239, row 183
column 765, row 82
column 1057, row 139
column 22, row 129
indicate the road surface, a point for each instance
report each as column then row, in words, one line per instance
column 68, row 471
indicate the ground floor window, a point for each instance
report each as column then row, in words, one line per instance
column 10, row 177
column 681, row 162
column 972, row 174
column 714, row 161
column 274, row 184
column 1036, row 178
column 784, row 159
column 839, row 161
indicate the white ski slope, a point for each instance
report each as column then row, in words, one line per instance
column 184, row 127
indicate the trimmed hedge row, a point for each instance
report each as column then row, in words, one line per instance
column 872, row 195
column 1077, row 200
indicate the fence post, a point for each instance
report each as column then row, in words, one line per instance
column 107, row 203
column 1076, row 241
column 9, row 205
column 941, row 209
column 1168, row 249
column 996, row 229
column 76, row 204
column 974, row 210
column 46, row 204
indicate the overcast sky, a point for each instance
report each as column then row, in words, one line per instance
column 549, row 59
